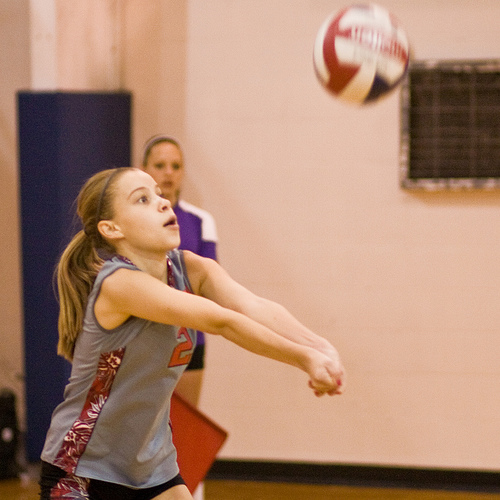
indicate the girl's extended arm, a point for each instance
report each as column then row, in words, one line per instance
column 213, row 282
column 133, row 293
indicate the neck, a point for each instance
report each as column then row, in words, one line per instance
column 155, row 265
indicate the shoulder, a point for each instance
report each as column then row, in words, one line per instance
column 115, row 271
column 194, row 263
column 192, row 209
column 198, row 269
column 115, row 263
column 209, row 228
column 109, row 268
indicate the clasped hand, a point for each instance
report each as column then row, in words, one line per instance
column 327, row 375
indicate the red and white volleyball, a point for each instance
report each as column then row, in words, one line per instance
column 361, row 53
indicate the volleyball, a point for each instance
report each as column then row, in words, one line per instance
column 361, row 53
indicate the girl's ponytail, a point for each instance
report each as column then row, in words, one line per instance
column 80, row 261
column 76, row 272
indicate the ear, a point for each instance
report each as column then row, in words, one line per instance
column 109, row 230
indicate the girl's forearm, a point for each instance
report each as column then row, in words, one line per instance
column 281, row 321
column 261, row 340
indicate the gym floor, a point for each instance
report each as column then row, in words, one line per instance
column 26, row 488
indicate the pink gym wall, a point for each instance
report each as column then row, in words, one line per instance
column 310, row 213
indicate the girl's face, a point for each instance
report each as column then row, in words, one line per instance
column 165, row 165
column 143, row 220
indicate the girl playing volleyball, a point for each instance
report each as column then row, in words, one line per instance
column 110, row 438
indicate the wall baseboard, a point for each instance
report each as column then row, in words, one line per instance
column 359, row 475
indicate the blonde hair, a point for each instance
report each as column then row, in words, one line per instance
column 80, row 261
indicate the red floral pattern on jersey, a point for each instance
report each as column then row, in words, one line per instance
column 78, row 436
column 70, row 487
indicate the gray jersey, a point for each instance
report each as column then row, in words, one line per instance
column 113, row 424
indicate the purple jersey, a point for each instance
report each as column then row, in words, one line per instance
column 197, row 228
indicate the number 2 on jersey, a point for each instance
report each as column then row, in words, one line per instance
column 184, row 350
